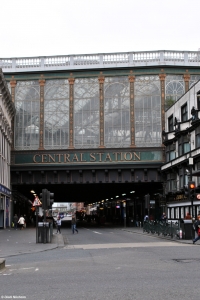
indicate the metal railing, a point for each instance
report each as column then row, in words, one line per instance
column 104, row 60
column 161, row 228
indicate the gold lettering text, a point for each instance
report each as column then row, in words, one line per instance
column 116, row 155
column 75, row 158
column 34, row 158
column 108, row 157
column 100, row 156
column 59, row 157
column 44, row 158
column 82, row 157
column 136, row 155
column 66, row 158
column 92, row 157
column 130, row 156
column 51, row 158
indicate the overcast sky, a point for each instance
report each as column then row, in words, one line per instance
column 62, row 27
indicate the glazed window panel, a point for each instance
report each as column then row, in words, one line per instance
column 116, row 112
column 170, row 123
column 56, row 114
column 86, row 113
column 174, row 87
column 193, row 80
column 147, row 111
column 184, row 113
column 27, row 103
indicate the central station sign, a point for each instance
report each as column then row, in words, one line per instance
column 73, row 157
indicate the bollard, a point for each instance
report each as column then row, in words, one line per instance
column 180, row 234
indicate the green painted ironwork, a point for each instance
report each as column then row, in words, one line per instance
column 161, row 228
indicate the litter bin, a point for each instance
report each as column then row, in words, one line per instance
column 43, row 232
column 187, row 229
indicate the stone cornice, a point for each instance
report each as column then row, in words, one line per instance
column 6, row 97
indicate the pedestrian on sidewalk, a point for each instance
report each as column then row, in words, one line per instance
column 197, row 229
column 73, row 222
column 58, row 222
column 15, row 220
column 21, row 222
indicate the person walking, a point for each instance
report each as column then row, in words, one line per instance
column 197, row 229
column 15, row 220
column 58, row 222
column 164, row 218
column 21, row 222
column 73, row 222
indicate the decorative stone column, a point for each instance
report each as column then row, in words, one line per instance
column 41, row 141
column 101, row 110
column 132, row 114
column 162, row 86
column 186, row 77
column 71, row 112
column 13, row 84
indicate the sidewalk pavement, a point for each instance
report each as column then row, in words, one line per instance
column 15, row 242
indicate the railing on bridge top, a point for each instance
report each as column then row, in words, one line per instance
column 109, row 60
column 168, row 229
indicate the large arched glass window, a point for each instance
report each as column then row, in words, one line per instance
column 147, row 111
column 56, row 114
column 174, row 87
column 27, row 103
column 86, row 113
column 117, row 112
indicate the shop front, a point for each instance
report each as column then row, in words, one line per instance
column 5, row 207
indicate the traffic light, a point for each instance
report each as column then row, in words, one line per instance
column 191, row 189
column 50, row 199
column 43, row 198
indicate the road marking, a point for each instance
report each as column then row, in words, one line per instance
column 36, row 269
column 126, row 245
column 97, row 232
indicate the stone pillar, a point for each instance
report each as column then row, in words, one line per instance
column 41, row 141
column 186, row 77
column 132, row 114
column 101, row 110
column 162, row 86
column 71, row 112
column 13, row 84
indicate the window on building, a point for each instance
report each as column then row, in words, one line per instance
column 117, row 112
column 171, row 182
column 170, row 123
column 170, row 152
column 183, row 145
column 197, row 133
column 184, row 113
column 198, row 100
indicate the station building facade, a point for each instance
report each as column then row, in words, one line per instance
column 94, row 122
column 7, row 111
